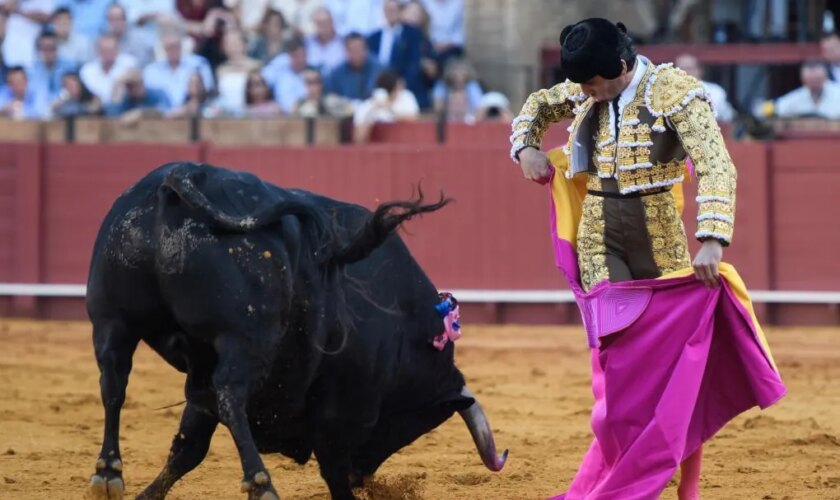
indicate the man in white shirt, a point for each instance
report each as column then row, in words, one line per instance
column 324, row 49
column 26, row 20
column 390, row 102
column 357, row 16
column 817, row 96
column 720, row 103
column 100, row 74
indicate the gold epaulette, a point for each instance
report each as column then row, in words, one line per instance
column 668, row 90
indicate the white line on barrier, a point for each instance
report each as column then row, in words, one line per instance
column 466, row 296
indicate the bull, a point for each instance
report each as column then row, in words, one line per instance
column 303, row 324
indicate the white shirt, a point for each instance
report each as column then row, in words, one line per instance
column 298, row 13
column 21, row 32
column 360, row 16
column 404, row 106
column 723, row 110
column 135, row 9
column 580, row 155
column 446, row 21
column 799, row 103
column 100, row 83
column 390, row 34
column 325, row 57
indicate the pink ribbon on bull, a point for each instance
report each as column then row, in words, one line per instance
column 448, row 310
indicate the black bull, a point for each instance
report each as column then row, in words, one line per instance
column 303, row 324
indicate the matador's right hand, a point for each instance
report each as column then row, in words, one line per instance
column 535, row 165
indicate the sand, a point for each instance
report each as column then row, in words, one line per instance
column 532, row 381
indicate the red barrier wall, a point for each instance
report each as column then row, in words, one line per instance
column 53, row 198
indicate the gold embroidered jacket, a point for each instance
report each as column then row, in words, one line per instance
column 669, row 119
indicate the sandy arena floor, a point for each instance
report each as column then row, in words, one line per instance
column 533, row 383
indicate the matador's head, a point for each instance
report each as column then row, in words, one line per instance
column 598, row 55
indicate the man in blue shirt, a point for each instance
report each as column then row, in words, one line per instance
column 88, row 16
column 48, row 70
column 172, row 75
column 16, row 102
column 356, row 77
column 132, row 94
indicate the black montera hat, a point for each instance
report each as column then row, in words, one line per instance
column 593, row 47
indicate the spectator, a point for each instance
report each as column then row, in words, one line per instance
column 414, row 14
column 390, row 102
column 16, row 101
column 447, row 28
column 830, row 45
column 147, row 16
column 88, row 16
column 720, row 103
column 75, row 99
column 285, row 76
column 197, row 101
column 458, row 94
column 400, row 48
column 817, row 97
column 3, row 68
column 172, row 75
column 250, row 15
column 356, row 16
column 299, row 14
column 315, row 103
column 272, row 39
column 206, row 21
column 45, row 77
column 757, row 29
column 72, row 46
column 355, row 78
column 324, row 48
column 130, row 93
column 132, row 42
column 259, row 99
column 26, row 20
column 494, row 106
column 100, row 74
column 232, row 76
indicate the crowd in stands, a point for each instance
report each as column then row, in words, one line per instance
column 372, row 60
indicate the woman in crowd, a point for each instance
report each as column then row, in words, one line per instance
column 232, row 75
column 272, row 37
column 458, row 86
column 259, row 98
column 75, row 99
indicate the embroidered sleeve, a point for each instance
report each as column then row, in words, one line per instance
column 700, row 135
column 541, row 109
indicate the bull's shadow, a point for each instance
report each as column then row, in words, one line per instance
column 303, row 325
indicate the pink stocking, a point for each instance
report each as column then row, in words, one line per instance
column 689, row 488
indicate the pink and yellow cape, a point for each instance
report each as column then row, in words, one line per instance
column 682, row 361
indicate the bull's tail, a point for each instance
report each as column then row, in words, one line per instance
column 380, row 224
column 182, row 180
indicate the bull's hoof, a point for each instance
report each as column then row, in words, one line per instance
column 260, row 488
column 107, row 482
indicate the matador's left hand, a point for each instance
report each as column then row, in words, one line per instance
column 707, row 262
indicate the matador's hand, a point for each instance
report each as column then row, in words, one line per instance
column 535, row 165
column 707, row 262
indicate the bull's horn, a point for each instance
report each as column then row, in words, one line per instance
column 482, row 434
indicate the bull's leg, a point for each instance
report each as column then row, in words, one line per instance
column 333, row 454
column 114, row 347
column 189, row 447
column 232, row 379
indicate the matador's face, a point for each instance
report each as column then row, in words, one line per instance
column 601, row 89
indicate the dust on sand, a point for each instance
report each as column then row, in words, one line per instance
column 533, row 383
